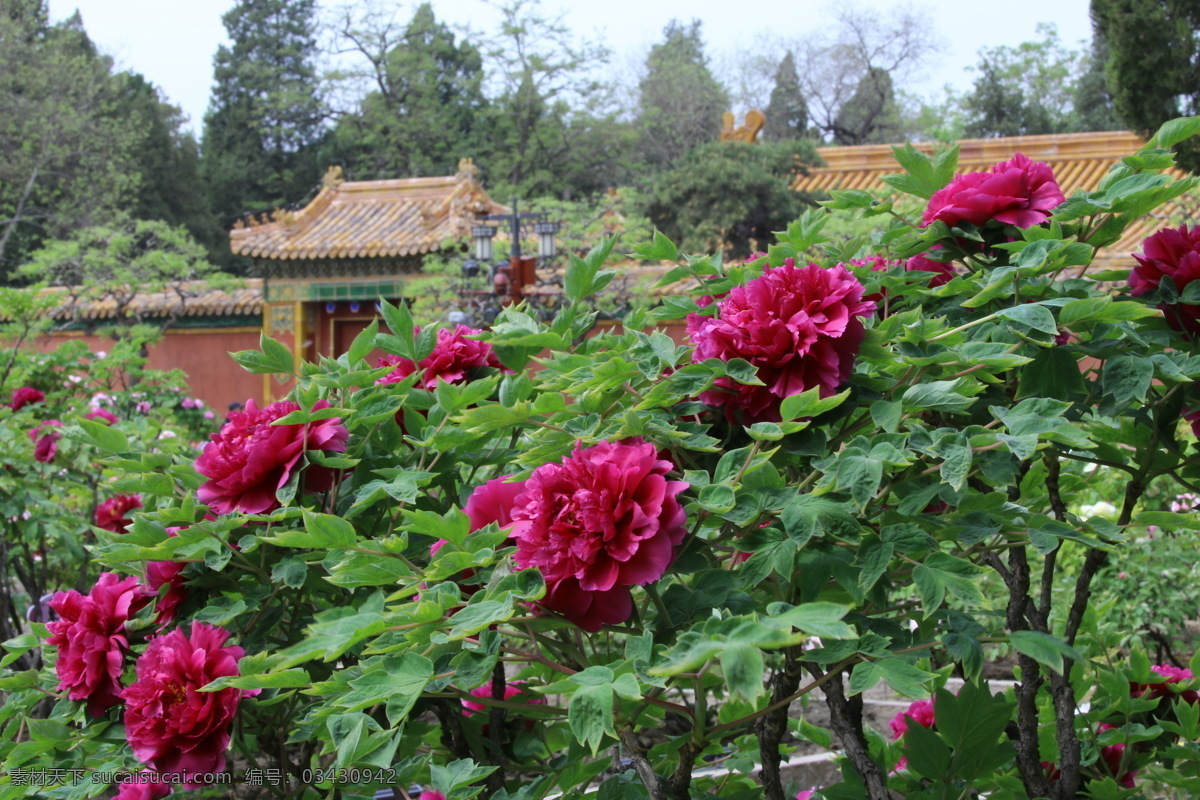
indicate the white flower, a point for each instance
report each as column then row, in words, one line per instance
column 1101, row 509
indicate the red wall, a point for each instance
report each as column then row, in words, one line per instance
column 202, row 353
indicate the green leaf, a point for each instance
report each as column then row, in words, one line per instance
column 287, row 679
column 886, row 414
column 940, row 396
column 1174, row 131
column 321, row 532
column 363, row 344
column 98, row 435
column 1052, row 373
column 400, row 323
column 717, row 498
column 661, row 249
column 1044, row 649
column 291, row 572
column 860, row 476
column 743, row 667
column 1031, row 315
column 941, row 573
column 398, row 681
column 580, row 278
column 809, row 404
column 1127, row 377
column 956, row 461
column 477, row 616
column 818, row 619
column 590, row 715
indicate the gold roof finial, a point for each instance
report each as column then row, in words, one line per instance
column 467, row 169
column 333, row 177
column 755, row 120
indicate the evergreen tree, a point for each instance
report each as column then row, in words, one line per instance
column 265, row 116
column 426, row 111
column 1153, row 65
column 63, row 154
column 681, row 103
column 871, row 115
column 787, row 113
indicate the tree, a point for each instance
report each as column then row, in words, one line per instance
column 540, row 72
column 1031, row 88
column 729, row 196
column 787, row 113
column 265, row 116
column 164, row 159
column 1152, row 67
column 859, row 62
column 426, row 102
column 119, row 261
column 680, row 102
column 870, row 116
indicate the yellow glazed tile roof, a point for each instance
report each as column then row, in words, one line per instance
column 371, row 219
column 243, row 298
column 1079, row 161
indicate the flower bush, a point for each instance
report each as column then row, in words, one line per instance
column 667, row 544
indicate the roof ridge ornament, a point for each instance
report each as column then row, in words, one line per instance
column 333, row 177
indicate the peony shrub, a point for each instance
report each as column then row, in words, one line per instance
column 649, row 550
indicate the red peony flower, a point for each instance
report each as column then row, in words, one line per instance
column 1111, row 755
column 1018, row 192
column 24, row 396
column 511, row 690
column 943, row 271
column 142, row 788
column 250, row 459
column 1174, row 252
column 169, row 723
column 45, row 440
column 799, row 327
column 603, row 520
column 101, row 415
column 452, row 356
column 1163, row 688
column 158, row 575
column 90, row 637
column 493, row 502
column 113, row 513
column 920, row 712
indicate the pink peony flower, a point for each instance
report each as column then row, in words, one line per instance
column 799, row 327
column 158, row 575
column 45, row 440
column 943, row 271
column 920, row 712
column 452, row 356
column 113, row 513
column 143, row 407
column 1174, row 252
column 101, row 415
column 140, row 787
column 807, row 793
column 169, row 723
column 250, row 459
column 1163, row 688
column 431, row 794
column 90, row 638
column 493, row 502
column 511, row 690
column 24, row 396
column 603, row 520
column 1018, row 192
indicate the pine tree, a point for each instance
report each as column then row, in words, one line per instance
column 265, row 117
column 426, row 111
column 1152, row 69
column 870, row 116
column 787, row 113
column 681, row 103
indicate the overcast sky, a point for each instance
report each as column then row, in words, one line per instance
column 172, row 42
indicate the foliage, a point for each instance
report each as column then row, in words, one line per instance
column 265, row 116
column 1035, row 87
column 1151, row 65
column 61, row 153
column 118, row 263
column 423, row 109
column 787, row 113
column 587, row 546
column 870, row 115
column 729, row 196
column 680, row 102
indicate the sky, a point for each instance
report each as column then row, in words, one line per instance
column 172, row 42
